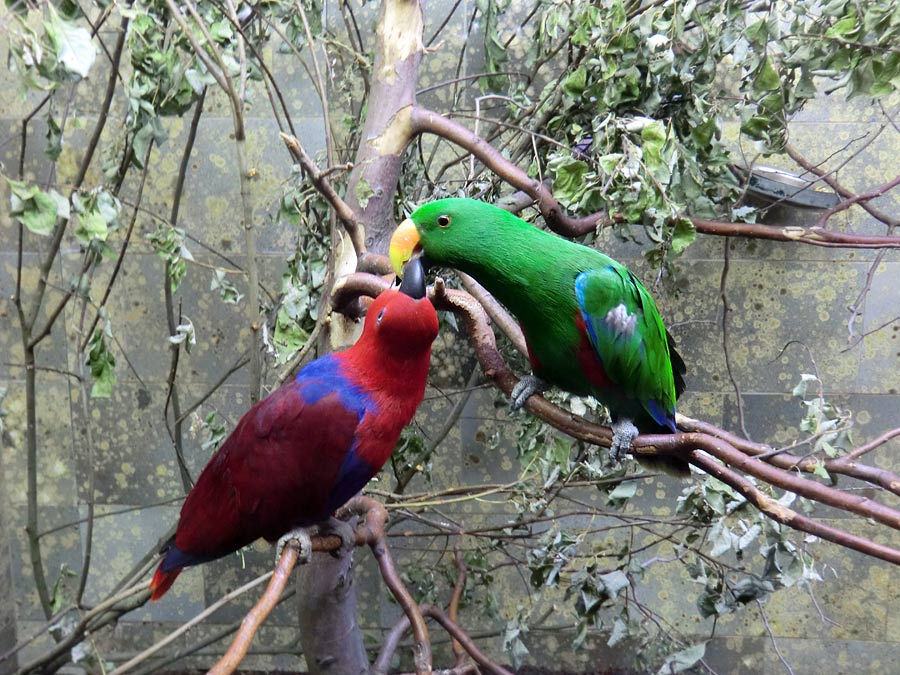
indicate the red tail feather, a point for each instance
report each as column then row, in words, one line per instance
column 162, row 581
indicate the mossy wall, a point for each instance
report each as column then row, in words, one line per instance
column 778, row 293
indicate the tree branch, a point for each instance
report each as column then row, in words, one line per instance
column 427, row 121
column 255, row 617
column 345, row 214
column 689, row 446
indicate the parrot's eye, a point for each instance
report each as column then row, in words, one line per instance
column 444, row 221
column 380, row 316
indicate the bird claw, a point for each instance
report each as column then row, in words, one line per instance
column 524, row 389
column 300, row 537
column 624, row 432
column 342, row 529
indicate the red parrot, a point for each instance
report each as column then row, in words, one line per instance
column 307, row 448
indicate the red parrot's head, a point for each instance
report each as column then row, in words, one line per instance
column 401, row 324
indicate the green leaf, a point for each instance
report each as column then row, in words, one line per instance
column 184, row 334
column 653, row 141
column 820, row 471
column 42, row 217
column 73, row 45
column 805, row 379
column 221, row 31
column 576, row 81
column 57, row 594
column 767, row 78
column 624, row 490
column 227, row 290
column 845, row 29
column 102, row 364
column 91, row 225
column 744, row 214
column 683, row 660
column 619, row 633
column 35, row 209
column 363, row 192
column 151, row 132
column 683, row 235
column 568, row 178
column 54, row 139
column 614, row 581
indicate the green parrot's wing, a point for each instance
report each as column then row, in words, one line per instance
column 627, row 333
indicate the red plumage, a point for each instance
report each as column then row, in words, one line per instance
column 304, row 450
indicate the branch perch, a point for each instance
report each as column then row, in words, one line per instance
column 704, row 450
column 427, row 121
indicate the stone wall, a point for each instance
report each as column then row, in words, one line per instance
column 779, row 294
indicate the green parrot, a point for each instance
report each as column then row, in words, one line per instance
column 591, row 327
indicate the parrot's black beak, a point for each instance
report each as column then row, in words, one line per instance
column 413, row 283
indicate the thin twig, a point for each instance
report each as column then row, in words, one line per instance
column 171, row 637
column 345, row 214
column 726, row 309
column 254, row 618
column 765, row 620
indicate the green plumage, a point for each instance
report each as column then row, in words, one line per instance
column 591, row 326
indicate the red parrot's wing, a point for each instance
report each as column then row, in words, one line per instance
column 276, row 471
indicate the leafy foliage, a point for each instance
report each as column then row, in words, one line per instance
column 304, row 277
column 101, row 362
column 169, row 244
column 637, row 117
column 60, row 51
column 627, row 103
column 35, row 209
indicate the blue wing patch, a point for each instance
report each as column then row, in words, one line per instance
column 352, row 477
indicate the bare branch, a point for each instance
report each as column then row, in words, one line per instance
column 426, row 121
column 345, row 214
column 171, row 637
column 251, row 623
column 460, row 636
column 856, row 199
column 816, row 236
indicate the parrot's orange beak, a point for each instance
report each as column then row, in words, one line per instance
column 404, row 243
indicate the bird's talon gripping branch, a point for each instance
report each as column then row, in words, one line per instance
column 624, row 432
column 524, row 389
column 301, row 537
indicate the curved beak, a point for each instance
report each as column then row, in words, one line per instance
column 404, row 242
column 413, row 283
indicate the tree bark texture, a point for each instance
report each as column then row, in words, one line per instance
column 329, row 625
column 329, row 629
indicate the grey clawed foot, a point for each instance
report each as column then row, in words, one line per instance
column 301, row 536
column 624, row 432
column 526, row 387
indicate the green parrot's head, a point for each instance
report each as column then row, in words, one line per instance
column 449, row 232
